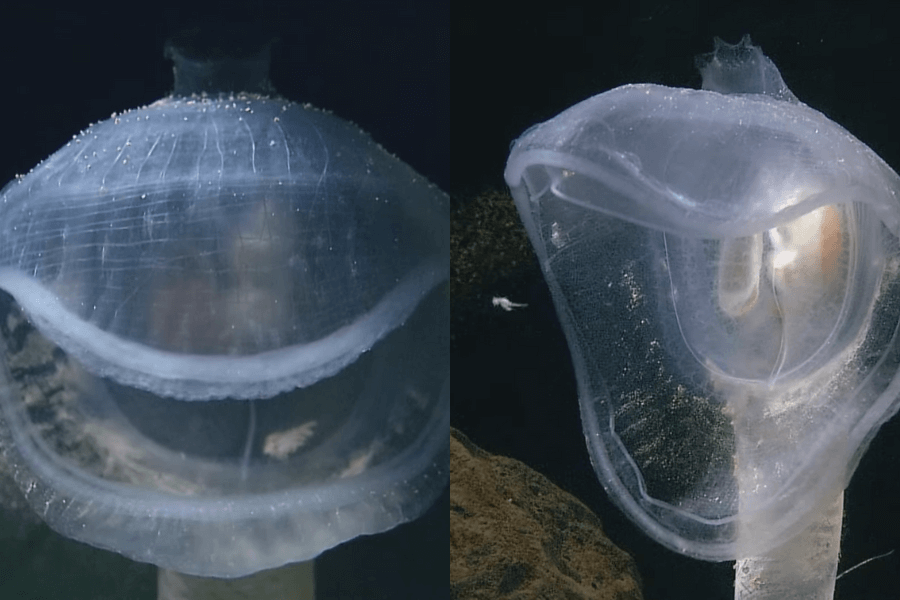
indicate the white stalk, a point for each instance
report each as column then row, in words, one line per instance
column 804, row 568
column 290, row 582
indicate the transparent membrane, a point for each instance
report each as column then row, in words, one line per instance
column 228, row 487
column 224, row 335
column 724, row 263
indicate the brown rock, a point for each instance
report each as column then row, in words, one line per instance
column 515, row 535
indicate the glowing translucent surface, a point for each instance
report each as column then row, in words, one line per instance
column 228, row 226
column 225, row 335
column 725, row 266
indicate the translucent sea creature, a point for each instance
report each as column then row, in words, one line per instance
column 723, row 262
column 212, row 310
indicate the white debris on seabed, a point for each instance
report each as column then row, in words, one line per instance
column 506, row 304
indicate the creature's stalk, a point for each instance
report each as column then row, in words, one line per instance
column 804, row 568
column 290, row 582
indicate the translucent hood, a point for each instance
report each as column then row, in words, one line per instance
column 696, row 162
column 725, row 268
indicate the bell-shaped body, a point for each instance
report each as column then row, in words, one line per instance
column 225, row 334
column 724, row 264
